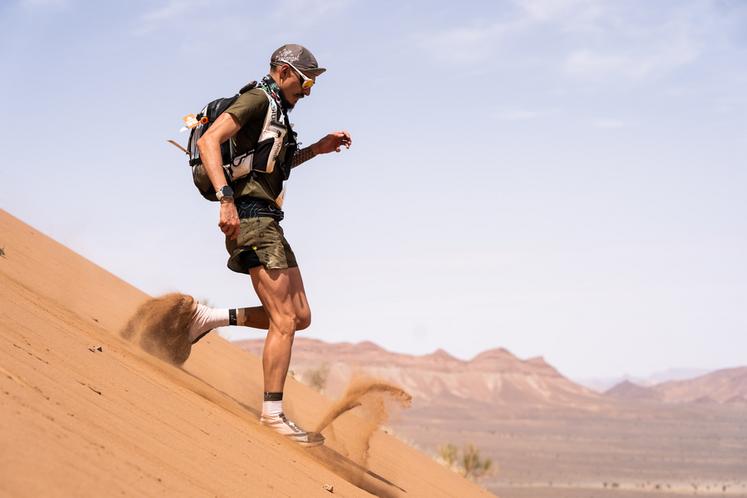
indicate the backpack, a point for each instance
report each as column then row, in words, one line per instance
column 236, row 165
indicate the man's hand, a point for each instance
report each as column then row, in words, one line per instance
column 229, row 219
column 333, row 142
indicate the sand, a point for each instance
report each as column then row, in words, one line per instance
column 160, row 326
column 84, row 412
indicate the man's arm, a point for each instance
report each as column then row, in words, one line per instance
column 331, row 142
column 302, row 156
column 209, row 144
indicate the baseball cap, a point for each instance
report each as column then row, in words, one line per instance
column 299, row 56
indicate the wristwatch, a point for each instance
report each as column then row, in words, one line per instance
column 225, row 192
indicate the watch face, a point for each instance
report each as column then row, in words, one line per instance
column 226, row 191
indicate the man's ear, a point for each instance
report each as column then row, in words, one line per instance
column 282, row 72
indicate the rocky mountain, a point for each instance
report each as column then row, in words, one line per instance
column 602, row 384
column 728, row 385
column 629, row 390
column 495, row 377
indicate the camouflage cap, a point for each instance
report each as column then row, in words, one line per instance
column 299, row 56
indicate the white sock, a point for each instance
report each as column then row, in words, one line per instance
column 206, row 319
column 272, row 409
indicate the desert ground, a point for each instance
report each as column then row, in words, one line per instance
column 84, row 412
column 548, row 436
column 643, row 451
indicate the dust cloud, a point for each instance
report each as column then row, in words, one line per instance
column 161, row 327
column 373, row 400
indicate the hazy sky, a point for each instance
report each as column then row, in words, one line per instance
column 562, row 178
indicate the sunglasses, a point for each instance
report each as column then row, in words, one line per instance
column 306, row 82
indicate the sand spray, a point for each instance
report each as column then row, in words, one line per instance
column 372, row 400
column 161, row 327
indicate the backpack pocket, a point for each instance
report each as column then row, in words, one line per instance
column 268, row 148
column 263, row 158
column 203, row 183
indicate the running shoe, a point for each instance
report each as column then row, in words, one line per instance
column 287, row 428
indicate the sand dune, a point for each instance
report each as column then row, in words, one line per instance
column 86, row 413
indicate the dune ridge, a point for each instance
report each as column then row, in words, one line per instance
column 85, row 412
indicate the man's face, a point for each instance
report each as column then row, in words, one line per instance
column 291, row 85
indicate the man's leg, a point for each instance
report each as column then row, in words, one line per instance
column 255, row 317
column 205, row 319
column 284, row 301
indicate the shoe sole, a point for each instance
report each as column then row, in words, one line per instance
column 316, row 438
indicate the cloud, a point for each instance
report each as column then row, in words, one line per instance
column 43, row 4
column 308, row 12
column 574, row 11
column 608, row 123
column 465, row 44
column 518, row 115
column 586, row 39
column 636, row 66
column 483, row 38
column 639, row 52
column 165, row 14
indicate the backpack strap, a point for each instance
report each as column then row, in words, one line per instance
column 249, row 86
column 273, row 112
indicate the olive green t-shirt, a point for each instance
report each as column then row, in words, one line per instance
column 250, row 110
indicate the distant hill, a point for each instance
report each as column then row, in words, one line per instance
column 602, row 384
column 728, row 385
column 493, row 377
column 628, row 390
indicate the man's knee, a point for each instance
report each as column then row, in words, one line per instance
column 285, row 324
column 288, row 324
column 303, row 319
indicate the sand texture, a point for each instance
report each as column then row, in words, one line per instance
column 87, row 412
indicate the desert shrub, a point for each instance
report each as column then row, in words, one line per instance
column 467, row 462
column 448, row 453
column 473, row 465
column 317, row 377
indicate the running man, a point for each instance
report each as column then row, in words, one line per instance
column 250, row 215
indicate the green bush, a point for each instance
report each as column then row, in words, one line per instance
column 467, row 462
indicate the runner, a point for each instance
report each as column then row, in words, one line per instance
column 250, row 215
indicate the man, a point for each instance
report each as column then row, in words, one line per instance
column 250, row 212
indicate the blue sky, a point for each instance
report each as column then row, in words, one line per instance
column 558, row 177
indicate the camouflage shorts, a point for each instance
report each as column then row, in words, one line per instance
column 260, row 243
